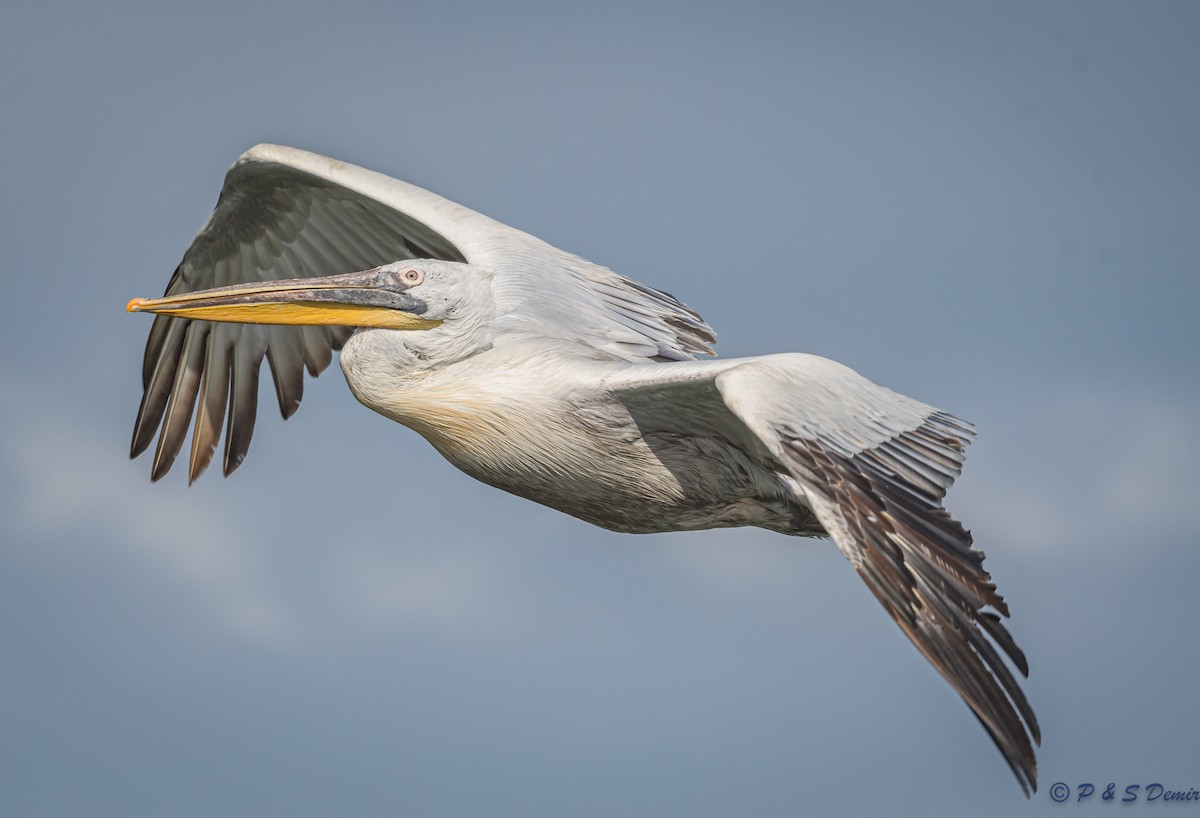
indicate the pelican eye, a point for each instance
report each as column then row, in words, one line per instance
column 412, row 276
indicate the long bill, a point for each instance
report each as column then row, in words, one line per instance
column 371, row 298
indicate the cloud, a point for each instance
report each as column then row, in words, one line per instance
column 452, row 590
column 1092, row 467
column 68, row 482
column 64, row 480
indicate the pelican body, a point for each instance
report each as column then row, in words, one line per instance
column 560, row 381
column 599, row 455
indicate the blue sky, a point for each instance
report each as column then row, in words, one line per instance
column 992, row 208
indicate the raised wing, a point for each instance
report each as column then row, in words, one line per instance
column 286, row 213
column 873, row 466
column 274, row 220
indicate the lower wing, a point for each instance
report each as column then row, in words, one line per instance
column 873, row 466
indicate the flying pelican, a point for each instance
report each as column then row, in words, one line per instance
column 563, row 382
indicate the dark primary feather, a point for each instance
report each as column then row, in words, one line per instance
column 919, row 563
column 872, row 467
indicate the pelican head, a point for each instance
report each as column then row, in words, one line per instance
column 416, row 294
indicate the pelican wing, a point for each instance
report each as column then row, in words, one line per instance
column 873, row 466
column 287, row 213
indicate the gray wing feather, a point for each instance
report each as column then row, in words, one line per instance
column 288, row 213
column 604, row 309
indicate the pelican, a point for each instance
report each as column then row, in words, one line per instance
column 563, row 382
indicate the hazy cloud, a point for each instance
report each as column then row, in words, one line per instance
column 63, row 481
column 1090, row 469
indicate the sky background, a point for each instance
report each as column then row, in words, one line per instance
column 994, row 208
